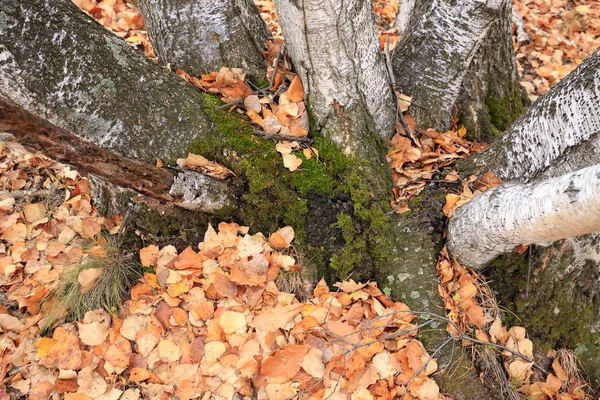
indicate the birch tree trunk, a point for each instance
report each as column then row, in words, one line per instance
column 561, row 119
column 81, row 78
column 203, row 36
column 534, row 213
column 405, row 12
column 451, row 34
column 335, row 50
column 559, row 134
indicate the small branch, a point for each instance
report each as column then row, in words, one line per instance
column 278, row 137
column 400, row 116
column 281, row 52
column 229, row 105
column 440, row 347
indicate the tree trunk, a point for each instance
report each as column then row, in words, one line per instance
column 539, row 213
column 435, row 53
column 335, row 51
column 557, row 135
column 564, row 117
column 203, row 36
column 94, row 85
column 491, row 97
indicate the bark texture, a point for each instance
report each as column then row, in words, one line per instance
column 93, row 84
column 491, row 97
column 404, row 14
column 563, row 118
column 334, row 47
column 540, row 212
column 203, row 36
column 435, row 52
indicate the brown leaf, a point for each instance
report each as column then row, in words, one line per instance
column 296, row 91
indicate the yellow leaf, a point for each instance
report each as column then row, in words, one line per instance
column 232, row 321
column 43, row 345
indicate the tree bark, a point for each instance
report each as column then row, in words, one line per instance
column 405, row 12
column 94, row 85
column 203, row 36
column 335, row 51
column 449, row 33
column 559, row 134
column 564, row 117
column 539, row 213
column 491, row 97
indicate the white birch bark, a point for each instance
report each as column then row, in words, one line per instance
column 563, row 118
column 435, row 52
column 201, row 36
column 533, row 213
column 335, row 51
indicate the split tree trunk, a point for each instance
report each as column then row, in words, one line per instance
column 335, row 51
column 433, row 57
column 84, row 104
column 203, row 36
column 559, row 134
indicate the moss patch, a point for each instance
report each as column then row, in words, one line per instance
column 503, row 110
column 270, row 196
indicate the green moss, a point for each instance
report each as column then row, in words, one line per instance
column 504, row 110
column 271, row 196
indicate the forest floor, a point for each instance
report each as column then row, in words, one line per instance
column 215, row 320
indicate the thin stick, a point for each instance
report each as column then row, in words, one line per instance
column 400, row 116
column 281, row 51
column 440, row 347
column 290, row 138
column 529, row 259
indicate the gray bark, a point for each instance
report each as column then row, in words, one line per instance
column 564, row 117
column 491, row 97
column 435, row 52
column 203, row 36
column 534, row 213
column 335, row 50
column 404, row 14
column 93, row 84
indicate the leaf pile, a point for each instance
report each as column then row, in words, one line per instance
column 562, row 34
column 412, row 166
column 121, row 17
column 465, row 300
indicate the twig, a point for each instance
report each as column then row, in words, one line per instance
column 281, row 51
column 529, row 259
column 400, row 116
column 440, row 347
column 290, row 138
column 124, row 224
column 233, row 103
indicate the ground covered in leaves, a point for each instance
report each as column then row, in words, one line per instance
column 215, row 321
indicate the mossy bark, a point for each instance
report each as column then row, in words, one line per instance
column 563, row 305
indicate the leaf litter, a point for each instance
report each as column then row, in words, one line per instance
column 210, row 323
column 190, row 310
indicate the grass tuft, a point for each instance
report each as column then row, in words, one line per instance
column 119, row 271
